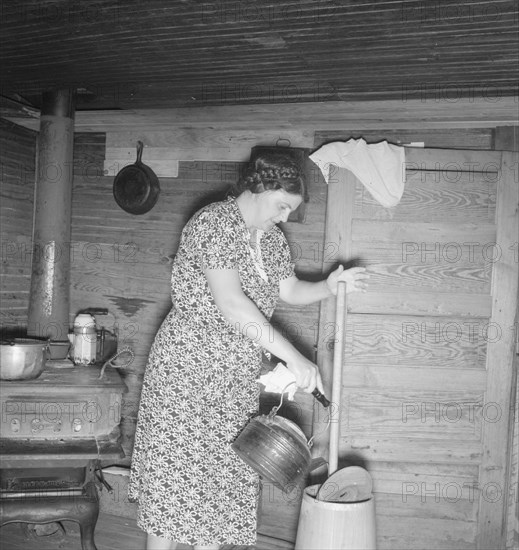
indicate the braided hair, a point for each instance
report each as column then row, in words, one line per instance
column 271, row 171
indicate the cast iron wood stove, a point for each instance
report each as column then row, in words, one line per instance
column 55, row 431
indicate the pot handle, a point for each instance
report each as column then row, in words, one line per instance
column 140, row 147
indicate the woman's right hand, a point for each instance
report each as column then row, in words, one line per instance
column 306, row 373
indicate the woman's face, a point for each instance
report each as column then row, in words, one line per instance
column 273, row 207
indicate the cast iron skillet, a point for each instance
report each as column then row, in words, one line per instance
column 136, row 187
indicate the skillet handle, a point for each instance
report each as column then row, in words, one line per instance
column 140, row 147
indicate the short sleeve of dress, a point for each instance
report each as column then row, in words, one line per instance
column 286, row 265
column 213, row 234
column 278, row 251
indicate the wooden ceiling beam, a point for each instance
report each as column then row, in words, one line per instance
column 414, row 113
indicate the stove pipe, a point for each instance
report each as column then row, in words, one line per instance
column 49, row 296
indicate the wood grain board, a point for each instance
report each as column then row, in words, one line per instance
column 414, row 113
column 17, row 175
column 417, row 344
column 427, row 368
column 500, row 360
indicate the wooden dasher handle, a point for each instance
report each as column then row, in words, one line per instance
column 338, row 351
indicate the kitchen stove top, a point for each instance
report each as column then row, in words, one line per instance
column 55, row 431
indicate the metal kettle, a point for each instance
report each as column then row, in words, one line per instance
column 275, row 448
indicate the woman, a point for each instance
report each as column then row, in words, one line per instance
column 200, row 387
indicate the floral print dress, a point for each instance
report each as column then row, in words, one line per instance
column 200, row 388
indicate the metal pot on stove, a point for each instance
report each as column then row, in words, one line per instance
column 22, row 358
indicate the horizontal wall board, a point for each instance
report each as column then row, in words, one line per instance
column 422, row 415
column 161, row 168
column 15, row 311
column 409, row 449
column 11, row 282
column 416, row 114
column 443, row 232
column 451, row 138
column 415, row 377
column 176, row 152
column 424, row 254
column 425, row 533
column 388, row 478
column 421, row 342
column 162, row 149
column 440, row 499
column 421, row 303
column 427, row 267
column 208, row 138
column 451, row 160
column 88, row 154
column 431, row 196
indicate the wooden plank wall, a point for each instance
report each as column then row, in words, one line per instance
column 419, row 384
column 132, row 276
column 17, row 175
column 122, row 262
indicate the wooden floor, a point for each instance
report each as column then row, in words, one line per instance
column 112, row 533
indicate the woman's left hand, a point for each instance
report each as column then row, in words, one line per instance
column 355, row 279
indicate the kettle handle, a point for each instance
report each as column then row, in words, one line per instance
column 274, row 410
column 95, row 310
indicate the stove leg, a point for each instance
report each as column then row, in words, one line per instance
column 83, row 510
column 88, row 518
column 87, row 536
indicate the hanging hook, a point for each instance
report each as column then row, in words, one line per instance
column 283, row 139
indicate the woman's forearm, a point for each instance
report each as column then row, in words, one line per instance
column 244, row 315
column 301, row 293
column 248, row 319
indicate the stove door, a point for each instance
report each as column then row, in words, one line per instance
column 41, row 478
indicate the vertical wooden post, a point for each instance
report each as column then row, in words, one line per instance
column 506, row 138
column 500, row 360
column 339, row 216
column 49, row 295
column 338, row 357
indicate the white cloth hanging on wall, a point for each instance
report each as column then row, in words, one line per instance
column 379, row 166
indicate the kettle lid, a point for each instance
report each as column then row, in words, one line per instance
column 84, row 320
